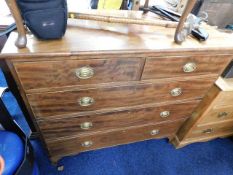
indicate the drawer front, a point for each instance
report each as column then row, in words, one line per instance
column 100, row 140
column 109, row 98
column 46, row 74
column 218, row 130
column 168, row 67
column 65, row 127
column 222, row 114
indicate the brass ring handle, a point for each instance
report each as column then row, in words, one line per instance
column 176, row 92
column 87, row 143
column 154, row 132
column 189, row 67
column 86, row 125
column 86, row 101
column 164, row 114
column 85, row 72
column 208, row 131
column 222, row 114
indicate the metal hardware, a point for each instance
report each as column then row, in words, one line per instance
column 85, row 72
column 86, row 125
column 86, row 101
column 222, row 114
column 208, row 131
column 164, row 114
column 87, row 143
column 189, row 67
column 154, row 132
column 176, row 92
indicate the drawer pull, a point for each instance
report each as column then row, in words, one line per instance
column 189, row 67
column 222, row 114
column 87, row 143
column 84, row 72
column 154, row 132
column 208, row 131
column 86, row 101
column 86, row 125
column 176, row 92
column 164, row 114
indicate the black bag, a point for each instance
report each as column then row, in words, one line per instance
column 47, row 19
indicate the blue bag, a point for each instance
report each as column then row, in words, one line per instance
column 46, row 19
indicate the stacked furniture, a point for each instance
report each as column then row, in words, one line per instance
column 109, row 84
column 213, row 118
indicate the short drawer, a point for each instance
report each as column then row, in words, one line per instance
column 74, row 144
column 108, row 98
column 114, row 120
column 217, row 115
column 212, row 130
column 167, row 67
column 48, row 74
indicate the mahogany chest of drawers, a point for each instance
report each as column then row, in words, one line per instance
column 104, row 84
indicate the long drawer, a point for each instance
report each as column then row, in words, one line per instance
column 47, row 74
column 102, row 98
column 65, row 127
column 167, row 67
column 74, row 144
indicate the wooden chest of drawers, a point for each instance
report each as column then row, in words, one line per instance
column 101, row 86
column 213, row 117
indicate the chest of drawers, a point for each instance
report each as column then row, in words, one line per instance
column 213, row 117
column 103, row 84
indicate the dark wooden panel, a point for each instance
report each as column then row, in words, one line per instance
column 173, row 66
column 72, row 145
column 103, row 122
column 45, row 74
column 66, row 102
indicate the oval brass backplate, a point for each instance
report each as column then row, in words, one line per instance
column 189, row 67
column 164, row 114
column 86, row 125
column 86, row 101
column 85, row 72
column 176, row 92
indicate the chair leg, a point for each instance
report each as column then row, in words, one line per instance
column 21, row 41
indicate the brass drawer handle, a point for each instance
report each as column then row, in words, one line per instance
column 176, row 92
column 189, row 67
column 86, row 101
column 85, row 72
column 154, row 132
column 222, row 114
column 87, row 143
column 208, row 131
column 164, row 114
column 86, row 125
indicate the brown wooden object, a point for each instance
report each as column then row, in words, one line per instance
column 212, row 119
column 21, row 41
column 181, row 30
column 106, row 84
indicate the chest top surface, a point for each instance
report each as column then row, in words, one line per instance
column 92, row 36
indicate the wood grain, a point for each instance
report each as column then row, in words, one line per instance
column 73, row 145
column 65, row 127
column 63, row 73
column 66, row 102
column 165, row 67
column 90, row 36
column 217, row 129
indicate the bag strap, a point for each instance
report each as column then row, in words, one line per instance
column 8, row 30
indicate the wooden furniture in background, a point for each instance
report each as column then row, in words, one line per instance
column 108, row 84
column 212, row 119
